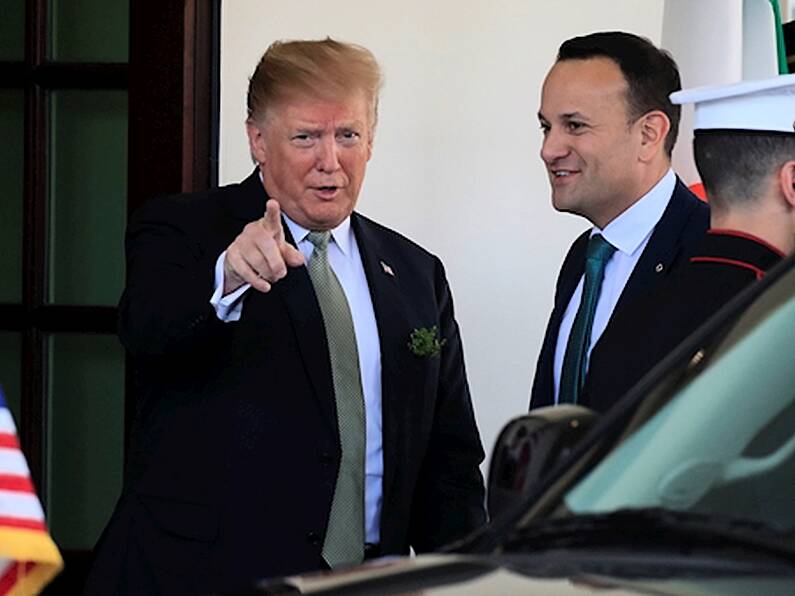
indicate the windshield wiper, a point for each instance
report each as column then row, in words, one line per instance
column 654, row 527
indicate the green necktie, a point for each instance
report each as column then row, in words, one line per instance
column 344, row 543
column 575, row 361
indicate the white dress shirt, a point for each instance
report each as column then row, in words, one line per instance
column 346, row 262
column 629, row 233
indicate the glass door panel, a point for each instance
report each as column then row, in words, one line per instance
column 12, row 31
column 11, row 371
column 12, row 116
column 89, row 30
column 87, row 196
column 86, row 435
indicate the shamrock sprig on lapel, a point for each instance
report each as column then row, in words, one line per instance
column 425, row 342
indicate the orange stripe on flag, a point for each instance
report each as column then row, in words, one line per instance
column 698, row 189
column 16, row 483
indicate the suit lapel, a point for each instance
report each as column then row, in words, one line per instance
column 663, row 248
column 298, row 296
column 571, row 272
column 543, row 391
column 390, row 304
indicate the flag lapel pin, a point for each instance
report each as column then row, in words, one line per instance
column 387, row 269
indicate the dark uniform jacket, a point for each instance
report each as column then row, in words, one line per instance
column 643, row 334
column 235, row 448
column 673, row 240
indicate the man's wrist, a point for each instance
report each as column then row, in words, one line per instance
column 228, row 305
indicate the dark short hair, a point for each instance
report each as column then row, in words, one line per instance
column 736, row 165
column 651, row 73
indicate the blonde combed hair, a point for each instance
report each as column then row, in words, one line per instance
column 325, row 69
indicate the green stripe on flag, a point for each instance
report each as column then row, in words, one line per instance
column 780, row 48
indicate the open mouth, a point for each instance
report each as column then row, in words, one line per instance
column 326, row 191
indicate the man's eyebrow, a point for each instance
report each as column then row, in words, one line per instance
column 573, row 115
column 307, row 128
column 566, row 116
column 350, row 124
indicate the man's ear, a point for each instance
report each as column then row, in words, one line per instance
column 256, row 141
column 654, row 128
column 786, row 180
column 370, row 145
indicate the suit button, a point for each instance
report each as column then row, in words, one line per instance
column 313, row 538
column 326, row 458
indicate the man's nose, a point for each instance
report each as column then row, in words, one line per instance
column 553, row 147
column 327, row 157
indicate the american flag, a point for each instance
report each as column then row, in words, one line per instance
column 29, row 558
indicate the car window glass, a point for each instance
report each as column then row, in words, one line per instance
column 725, row 444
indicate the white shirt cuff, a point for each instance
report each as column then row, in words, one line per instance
column 227, row 308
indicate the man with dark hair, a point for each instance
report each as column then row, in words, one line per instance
column 609, row 129
column 286, row 420
column 650, row 73
column 745, row 153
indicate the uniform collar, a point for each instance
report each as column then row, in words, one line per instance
column 736, row 248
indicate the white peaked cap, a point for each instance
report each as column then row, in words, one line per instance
column 764, row 105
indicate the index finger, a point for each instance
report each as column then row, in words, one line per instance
column 272, row 221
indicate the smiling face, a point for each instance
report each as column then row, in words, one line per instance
column 590, row 147
column 313, row 155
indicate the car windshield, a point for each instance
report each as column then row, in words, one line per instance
column 725, row 443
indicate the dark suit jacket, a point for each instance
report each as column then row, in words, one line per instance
column 235, row 448
column 724, row 263
column 673, row 240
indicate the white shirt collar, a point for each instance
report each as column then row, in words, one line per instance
column 628, row 231
column 342, row 234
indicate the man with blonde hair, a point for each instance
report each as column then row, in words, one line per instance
column 302, row 399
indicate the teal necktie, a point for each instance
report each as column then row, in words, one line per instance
column 575, row 361
column 344, row 542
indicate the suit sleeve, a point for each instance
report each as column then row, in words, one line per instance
column 449, row 500
column 165, row 307
column 543, row 391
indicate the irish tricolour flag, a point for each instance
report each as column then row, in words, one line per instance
column 717, row 42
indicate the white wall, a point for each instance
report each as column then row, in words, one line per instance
column 456, row 164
